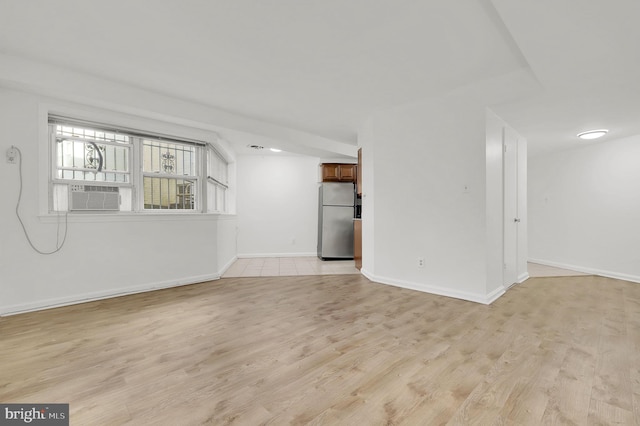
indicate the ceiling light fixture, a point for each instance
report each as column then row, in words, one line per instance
column 593, row 134
column 276, row 150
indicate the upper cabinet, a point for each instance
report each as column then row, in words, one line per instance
column 337, row 172
column 347, row 172
column 330, row 172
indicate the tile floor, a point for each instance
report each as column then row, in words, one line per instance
column 537, row 270
column 281, row 266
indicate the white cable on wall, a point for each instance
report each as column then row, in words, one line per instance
column 24, row 229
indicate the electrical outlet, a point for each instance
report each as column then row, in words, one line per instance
column 12, row 155
column 421, row 262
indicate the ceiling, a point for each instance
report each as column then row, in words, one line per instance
column 323, row 67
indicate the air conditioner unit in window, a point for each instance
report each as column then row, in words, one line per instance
column 94, row 198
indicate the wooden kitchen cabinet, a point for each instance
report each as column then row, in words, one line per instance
column 357, row 243
column 347, row 172
column 337, row 172
column 330, row 172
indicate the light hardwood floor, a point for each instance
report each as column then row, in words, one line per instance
column 327, row 350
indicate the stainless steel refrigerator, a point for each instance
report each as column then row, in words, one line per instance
column 335, row 220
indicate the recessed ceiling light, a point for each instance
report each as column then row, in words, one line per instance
column 276, row 150
column 593, row 134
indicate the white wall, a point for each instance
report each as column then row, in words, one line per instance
column 277, row 205
column 584, row 206
column 63, row 83
column 437, row 168
column 102, row 256
column 367, row 142
column 424, row 156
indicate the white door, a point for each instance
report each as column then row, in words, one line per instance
column 511, row 220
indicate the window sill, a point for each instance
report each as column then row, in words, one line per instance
column 134, row 217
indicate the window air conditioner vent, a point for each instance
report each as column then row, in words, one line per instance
column 94, row 198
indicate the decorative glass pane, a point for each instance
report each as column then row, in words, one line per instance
column 81, row 155
column 169, row 193
column 81, row 152
column 169, row 158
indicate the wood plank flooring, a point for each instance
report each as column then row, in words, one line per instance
column 334, row 350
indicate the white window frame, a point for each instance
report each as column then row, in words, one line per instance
column 136, row 173
column 59, row 187
column 217, row 182
column 199, row 196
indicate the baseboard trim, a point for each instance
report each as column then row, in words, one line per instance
column 251, row 255
column 586, row 270
column 440, row 291
column 100, row 295
column 494, row 295
column 227, row 266
column 523, row 277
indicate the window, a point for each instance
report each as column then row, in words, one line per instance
column 80, row 151
column 101, row 168
column 217, row 180
column 170, row 179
